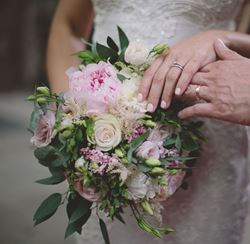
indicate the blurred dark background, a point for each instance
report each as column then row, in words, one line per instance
column 24, row 28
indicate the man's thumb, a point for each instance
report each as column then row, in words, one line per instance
column 223, row 52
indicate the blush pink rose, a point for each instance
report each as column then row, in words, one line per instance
column 44, row 131
column 160, row 133
column 97, row 85
column 149, row 149
column 89, row 193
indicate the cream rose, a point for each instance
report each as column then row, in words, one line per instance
column 107, row 132
column 136, row 53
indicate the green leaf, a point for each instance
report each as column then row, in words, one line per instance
column 104, row 231
column 188, row 141
column 77, row 225
column 169, row 142
column 61, row 160
column 124, row 42
column 47, row 208
column 45, row 152
column 34, row 118
column 121, row 77
column 80, row 210
column 179, row 158
column 135, row 144
column 52, row 180
column 106, row 53
column 178, row 142
column 112, row 44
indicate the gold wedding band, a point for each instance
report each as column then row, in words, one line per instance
column 197, row 92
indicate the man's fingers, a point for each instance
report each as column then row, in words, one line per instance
column 200, row 78
column 198, row 110
column 197, row 92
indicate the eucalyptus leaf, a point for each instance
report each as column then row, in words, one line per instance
column 45, row 152
column 104, row 231
column 52, row 180
column 47, row 208
column 61, row 160
column 77, row 225
column 80, row 210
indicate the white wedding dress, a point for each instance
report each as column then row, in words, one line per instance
column 213, row 209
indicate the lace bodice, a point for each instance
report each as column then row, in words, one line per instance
column 213, row 209
column 154, row 21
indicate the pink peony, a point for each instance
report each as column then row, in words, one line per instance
column 96, row 85
column 89, row 193
column 44, row 131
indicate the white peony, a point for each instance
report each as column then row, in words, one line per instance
column 136, row 53
column 107, row 132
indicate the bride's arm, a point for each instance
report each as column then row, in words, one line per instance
column 73, row 20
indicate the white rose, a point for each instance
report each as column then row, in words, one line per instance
column 136, row 53
column 107, row 132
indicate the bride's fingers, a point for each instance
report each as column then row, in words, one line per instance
column 198, row 110
column 186, row 76
column 158, row 85
column 172, row 77
column 197, row 92
column 147, row 78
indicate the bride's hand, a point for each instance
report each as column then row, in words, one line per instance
column 162, row 79
column 225, row 86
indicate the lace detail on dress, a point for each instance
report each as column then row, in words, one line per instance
column 160, row 20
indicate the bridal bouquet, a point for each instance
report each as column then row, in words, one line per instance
column 102, row 141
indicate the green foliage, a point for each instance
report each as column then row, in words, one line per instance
column 47, row 208
column 124, row 42
column 77, row 218
column 111, row 43
column 104, row 231
column 106, row 53
column 135, row 144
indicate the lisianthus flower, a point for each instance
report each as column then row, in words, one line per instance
column 44, row 131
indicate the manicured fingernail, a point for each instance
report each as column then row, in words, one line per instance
column 163, row 104
column 222, row 43
column 139, row 97
column 150, row 107
column 177, row 91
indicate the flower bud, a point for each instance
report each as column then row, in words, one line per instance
column 42, row 100
column 162, row 182
column 119, row 153
column 147, row 207
column 159, row 48
column 149, row 123
column 31, row 98
column 94, row 165
column 152, row 162
column 157, row 171
column 67, row 134
column 43, row 90
column 79, row 163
